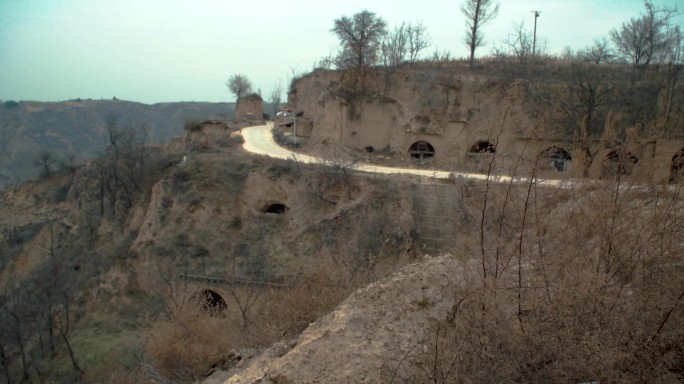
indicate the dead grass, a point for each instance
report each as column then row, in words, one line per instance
column 185, row 348
column 576, row 286
column 311, row 294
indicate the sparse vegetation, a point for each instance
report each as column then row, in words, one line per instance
column 125, row 173
column 192, row 125
column 185, row 348
column 239, row 85
column 574, row 287
column 45, row 162
column 651, row 38
column 140, row 267
column 107, row 270
column 404, row 44
column 360, row 39
column 477, row 13
column 10, row 104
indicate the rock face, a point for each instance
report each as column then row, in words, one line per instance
column 451, row 113
column 447, row 116
column 364, row 339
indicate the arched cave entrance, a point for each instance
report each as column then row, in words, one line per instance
column 676, row 174
column 618, row 163
column 421, row 150
column 210, row 301
column 277, row 208
column 482, row 146
column 555, row 158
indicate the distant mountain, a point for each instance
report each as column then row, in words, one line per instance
column 77, row 127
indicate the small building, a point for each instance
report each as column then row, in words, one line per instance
column 250, row 107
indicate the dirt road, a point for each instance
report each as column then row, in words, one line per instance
column 259, row 140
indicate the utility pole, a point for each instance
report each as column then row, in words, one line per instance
column 534, row 39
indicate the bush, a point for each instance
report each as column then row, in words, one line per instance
column 186, row 348
column 574, row 286
column 291, row 309
column 192, row 125
column 279, row 137
column 10, row 104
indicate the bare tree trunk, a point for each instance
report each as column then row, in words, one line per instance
column 20, row 343
column 64, row 323
column 5, row 365
column 520, row 247
column 244, row 305
column 673, row 76
column 52, row 341
column 473, row 36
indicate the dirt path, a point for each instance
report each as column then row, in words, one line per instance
column 259, row 140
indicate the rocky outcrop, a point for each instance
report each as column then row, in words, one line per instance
column 363, row 339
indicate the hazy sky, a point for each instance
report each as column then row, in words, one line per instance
column 185, row 50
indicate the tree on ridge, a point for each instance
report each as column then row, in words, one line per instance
column 477, row 13
column 361, row 38
column 239, row 85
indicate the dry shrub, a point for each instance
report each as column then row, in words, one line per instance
column 581, row 285
column 185, row 348
column 313, row 293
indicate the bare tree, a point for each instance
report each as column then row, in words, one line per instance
column 360, row 37
column 45, row 161
column 598, row 53
column 325, row 62
column 14, row 332
column 518, row 46
column 54, row 286
column 672, row 72
column 125, row 157
column 120, row 174
column 589, row 89
column 275, row 97
column 589, row 93
column 239, row 85
column 440, row 56
column 69, row 163
column 394, row 46
column 648, row 38
column 245, row 299
column 63, row 323
column 567, row 54
column 519, row 43
column 418, row 40
column 4, row 361
column 477, row 14
column 404, row 43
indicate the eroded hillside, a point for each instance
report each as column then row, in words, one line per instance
column 548, row 285
column 582, row 117
column 74, row 131
column 201, row 261
column 281, row 242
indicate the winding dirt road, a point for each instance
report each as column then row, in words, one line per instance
column 259, row 140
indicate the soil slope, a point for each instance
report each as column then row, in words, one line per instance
column 368, row 336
